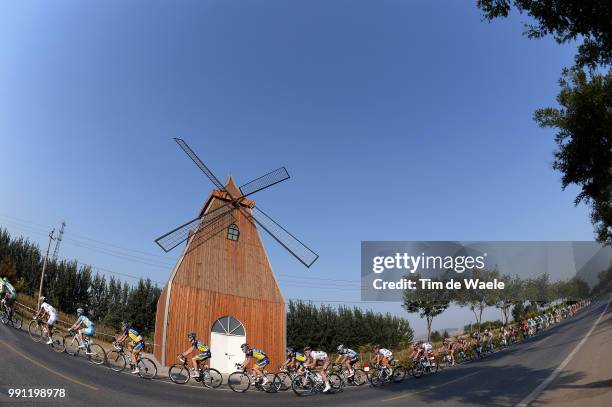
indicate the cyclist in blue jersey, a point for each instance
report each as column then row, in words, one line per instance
column 347, row 357
column 202, row 356
column 135, row 344
column 88, row 329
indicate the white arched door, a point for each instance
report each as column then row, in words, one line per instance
column 227, row 334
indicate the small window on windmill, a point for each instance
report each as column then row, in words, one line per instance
column 233, row 232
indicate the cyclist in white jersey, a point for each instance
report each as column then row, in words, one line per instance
column 46, row 309
column 382, row 356
column 318, row 360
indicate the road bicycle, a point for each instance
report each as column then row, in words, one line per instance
column 310, row 382
column 380, row 375
column 359, row 377
column 180, row 373
column 118, row 360
column 282, row 380
column 37, row 332
column 242, row 380
column 15, row 320
column 423, row 366
column 72, row 344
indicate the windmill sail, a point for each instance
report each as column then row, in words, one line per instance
column 211, row 220
column 265, row 181
column 199, row 163
column 293, row 245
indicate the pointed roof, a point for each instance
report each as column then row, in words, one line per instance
column 231, row 187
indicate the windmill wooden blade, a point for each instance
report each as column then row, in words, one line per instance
column 301, row 252
column 265, row 181
column 200, row 164
column 212, row 220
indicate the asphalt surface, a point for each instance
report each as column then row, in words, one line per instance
column 505, row 378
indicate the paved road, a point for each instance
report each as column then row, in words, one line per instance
column 506, row 378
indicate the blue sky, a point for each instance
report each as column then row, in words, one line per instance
column 396, row 120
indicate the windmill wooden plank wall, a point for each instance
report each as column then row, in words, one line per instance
column 218, row 277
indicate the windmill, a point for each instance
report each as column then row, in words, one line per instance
column 203, row 224
column 223, row 286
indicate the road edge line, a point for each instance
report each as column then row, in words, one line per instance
column 538, row 390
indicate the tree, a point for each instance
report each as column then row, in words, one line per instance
column 584, row 141
column 568, row 20
column 510, row 295
column 427, row 303
column 8, row 270
column 477, row 299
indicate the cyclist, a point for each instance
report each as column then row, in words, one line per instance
column 488, row 337
column 347, row 357
column 261, row 361
column 8, row 295
column 317, row 359
column 382, row 356
column 135, row 344
column 295, row 360
column 89, row 330
column 477, row 341
column 51, row 313
column 450, row 349
column 202, row 356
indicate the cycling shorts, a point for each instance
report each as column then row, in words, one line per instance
column 263, row 362
column 52, row 319
column 138, row 347
column 203, row 356
column 354, row 360
column 89, row 331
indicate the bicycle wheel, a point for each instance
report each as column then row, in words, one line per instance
column 71, row 345
column 282, row 381
column 148, row 369
column 239, row 382
column 270, row 386
column 179, row 374
column 96, row 354
column 17, row 321
column 116, row 361
column 335, row 381
column 360, row 378
column 375, row 377
column 212, row 379
column 417, row 371
column 303, row 385
column 399, row 374
column 35, row 331
column 58, row 342
column 3, row 317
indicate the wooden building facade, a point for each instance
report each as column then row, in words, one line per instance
column 223, row 289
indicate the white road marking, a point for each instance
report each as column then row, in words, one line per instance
column 536, row 392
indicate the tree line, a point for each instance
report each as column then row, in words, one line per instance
column 326, row 327
column 68, row 286
column 519, row 297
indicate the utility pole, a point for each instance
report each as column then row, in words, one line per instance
column 42, row 276
column 58, row 241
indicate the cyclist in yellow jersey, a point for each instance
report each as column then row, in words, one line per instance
column 135, row 344
column 202, row 356
column 261, row 360
column 295, row 360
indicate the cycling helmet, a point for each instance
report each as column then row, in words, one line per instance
column 191, row 335
column 42, row 299
column 290, row 349
column 80, row 311
column 340, row 348
column 307, row 348
column 245, row 346
column 376, row 346
column 5, row 279
column 125, row 325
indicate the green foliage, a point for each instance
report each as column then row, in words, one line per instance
column 427, row 303
column 584, row 140
column 605, row 282
column 69, row 286
column 8, row 270
column 325, row 327
column 569, row 20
